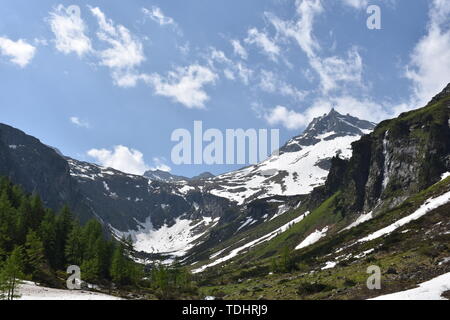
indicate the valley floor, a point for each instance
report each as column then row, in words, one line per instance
column 31, row 291
column 430, row 290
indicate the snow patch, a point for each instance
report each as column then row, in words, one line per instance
column 430, row 290
column 253, row 243
column 445, row 175
column 31, row 291
column 312, row 238
column 429, row 205
column 361, row 219
column 175, row 240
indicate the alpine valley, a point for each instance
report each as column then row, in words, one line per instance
column 306, row 223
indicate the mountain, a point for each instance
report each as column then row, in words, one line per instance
column 122, row 202
column 165, row 213
column 301, row 165
column 307, row 223
column 39, row 169
column 165, row 176
column 388, row 205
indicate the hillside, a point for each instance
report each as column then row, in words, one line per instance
column 388, row 205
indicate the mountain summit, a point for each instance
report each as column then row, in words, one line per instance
column 332, row 125
column 301, row 165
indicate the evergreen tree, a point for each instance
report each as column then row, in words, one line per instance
column 118, row 266
column 11, row 275
column 74, row 246
column 35, row 255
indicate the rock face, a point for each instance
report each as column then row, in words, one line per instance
column 119, row 200
column 333, row 122
column 38, row 169
column 401, row 157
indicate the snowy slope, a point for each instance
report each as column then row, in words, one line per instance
column 301, row 165
column 31, row 291
column 250, row 244
column 430, row 290
column 175, row 240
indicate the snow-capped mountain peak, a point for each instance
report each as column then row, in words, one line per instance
column 330, row 126
column 301, row 165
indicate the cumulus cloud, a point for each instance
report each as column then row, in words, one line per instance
column 78, row 122
column 19, row 52
column 120, row 158
column 124, row 54
column 262, row 40
column 156, row 14
column 357, row 4
column 232, row 70
column 429, row 68
column 159, row 164
column 332, row 70
column 69, row 30
column 335, row 70
column 271, row 83
column 290, row 119
column 239, row 49
column 184, row 85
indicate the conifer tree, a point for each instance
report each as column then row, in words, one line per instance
column 35, row 255
column 11, row 274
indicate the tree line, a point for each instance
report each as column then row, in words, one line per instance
column 38, row 244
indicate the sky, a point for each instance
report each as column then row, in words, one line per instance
column 109, row 81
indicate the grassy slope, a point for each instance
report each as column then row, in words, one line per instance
column 407, row 256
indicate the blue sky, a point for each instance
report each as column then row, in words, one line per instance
column 110, row 83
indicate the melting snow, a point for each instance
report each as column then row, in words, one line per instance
column 312, row 238
column 253, row 243
column 299, row 172
column 176, row 240
column 445, row 176
column 430, row 290
column 330, row 265
column 248, row 222
column 361, row 219
column 428, row 206
column 31, row 291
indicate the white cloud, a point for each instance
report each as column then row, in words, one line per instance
column 69, row 30
column 156, row 14
column 232, row 70
column 185, row 85
column 78, row 122
column 332, row 70
column 159, row 164
column 125, row 51
column 218, row 56
column 429, row 68
column 229, row 74
column 19, row 52
column 269, row 82
column 357, row 4
column 302, row 29
column 363, row 108
column 120, row 158
column 239, row 49
column 244, row 73
column 262, row 40
column 288, row 118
